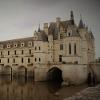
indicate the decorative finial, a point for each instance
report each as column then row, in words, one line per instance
column 81, row 25
column 39, row 28
column 72, row 17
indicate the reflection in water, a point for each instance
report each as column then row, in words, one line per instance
column 53, row 87
column 20, row 89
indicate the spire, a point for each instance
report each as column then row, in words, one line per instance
column 72, row 17
column 39, row 28
column 81, row 25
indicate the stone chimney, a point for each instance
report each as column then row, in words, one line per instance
column 58, row 19
column 45, row 27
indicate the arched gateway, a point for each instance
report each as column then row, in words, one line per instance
column 54, row 74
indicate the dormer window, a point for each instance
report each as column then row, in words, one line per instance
column 1, row 46
column 22, row 44
column 30, row 43
column 15, row 45
column 8, row 45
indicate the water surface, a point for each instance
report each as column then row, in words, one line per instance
column 20, row 89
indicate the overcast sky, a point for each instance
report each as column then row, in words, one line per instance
column 19, row 18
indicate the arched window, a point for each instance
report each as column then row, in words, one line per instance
column 75, row 48
column 69, row 48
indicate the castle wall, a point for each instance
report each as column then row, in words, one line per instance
column 75, row 74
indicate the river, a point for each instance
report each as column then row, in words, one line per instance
column 20, row 89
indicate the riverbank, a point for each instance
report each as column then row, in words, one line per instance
column 90, row 93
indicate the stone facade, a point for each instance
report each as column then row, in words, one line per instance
column 60, row 42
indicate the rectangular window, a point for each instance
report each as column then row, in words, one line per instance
column 22, row 52
column 22, row 60
column 69, row 48
column 13, row 60
column 39, row 48
column 61, row 36
column 35, row 59
column 0, row 60
column 35, row 48
column 1, row 52
column 8, row 60
column 28, row 60
column 39, row 59
column 60, row 58
column 15, row 52
column 75, row 49
column 30, row 51
column 8, row 52
column 61, row 46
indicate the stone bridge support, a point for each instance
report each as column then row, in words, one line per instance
column 76, row 74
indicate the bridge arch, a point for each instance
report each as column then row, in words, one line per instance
column 7, row 70
column 54, row 74
column 22, row 71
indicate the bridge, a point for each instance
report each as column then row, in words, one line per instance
column 73, row 73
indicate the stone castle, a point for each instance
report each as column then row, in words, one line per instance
column 61, row 44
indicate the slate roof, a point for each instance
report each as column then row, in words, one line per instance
column 17, row 41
